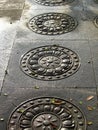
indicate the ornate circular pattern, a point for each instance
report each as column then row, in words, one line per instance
column 51, row 62
column 47, row 113
column 54, row 2
column 52, row 23
column 96, row 21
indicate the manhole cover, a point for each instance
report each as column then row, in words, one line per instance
column 52, row 23
column 54, row 2
column 96, row 21
column 51, row 62
column 47, row 113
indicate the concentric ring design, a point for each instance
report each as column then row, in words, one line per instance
column 96, row 21
column 47, row 113
column 54, row 2
column 50, row 62
column 52, row 24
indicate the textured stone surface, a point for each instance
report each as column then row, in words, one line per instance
column 94, row 51
column 19, row 87
column 10, row 4
column 9, row 18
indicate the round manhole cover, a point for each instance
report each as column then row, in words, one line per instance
column 47, row 113
column 54, row 2
column 96, row 21
column 52, row 23
column 50, row 62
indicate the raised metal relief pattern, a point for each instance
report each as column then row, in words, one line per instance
column 54, row 2
column 96, row 21
column 52, row 23
column 47, row 113
column 51, row 62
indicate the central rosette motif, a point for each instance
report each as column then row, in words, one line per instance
column 46, row 122
column 47, row 113
column 50, row 62
column 52, row 23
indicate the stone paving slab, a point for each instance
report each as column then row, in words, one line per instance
column 85, row 29
column 7, row 36
column 10, row 4
column 19, row 87
column 94, row 51
column 17, row 96
column 13, row 15
column 10, row 13
column 76, row 80
column 79, row 33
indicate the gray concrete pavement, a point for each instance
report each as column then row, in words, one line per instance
column 10, row 13
column 17, row 39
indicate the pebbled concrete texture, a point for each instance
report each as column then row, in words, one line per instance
column 16, row 39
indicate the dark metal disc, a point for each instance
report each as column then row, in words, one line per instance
column 54, row 2
column 52, row 24
column 96, row 21
column 47, row 113
column 50, row 62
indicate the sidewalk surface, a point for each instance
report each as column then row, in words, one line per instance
column 29, row 75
